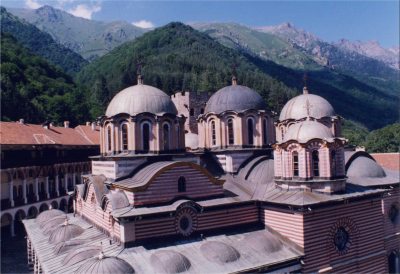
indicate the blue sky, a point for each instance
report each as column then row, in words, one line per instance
column 330, row 20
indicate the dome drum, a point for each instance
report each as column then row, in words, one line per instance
column 310, row 158
column 144, row 133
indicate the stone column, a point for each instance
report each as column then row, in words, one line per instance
column 12, row 193
column 57, row 188
column 132, row 135
column 47, row 187
column 66, row 176
column 24, row 191
column 37, row 188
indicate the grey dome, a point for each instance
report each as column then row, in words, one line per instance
column 80, row 254
column 51, row 224
column 47, row 215
column 102, row 264
column 307, row 130
column 192, row 140
column 141, row 98
column 167, row 261
column 235, row 97
column 365, row 167
column 262, row 242
column 219, row 252
column 64, row 233
column 68, row 245
column 118, row 199
column 296, row 108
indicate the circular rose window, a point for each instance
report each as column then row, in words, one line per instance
column 341, row 239
column 186, row 221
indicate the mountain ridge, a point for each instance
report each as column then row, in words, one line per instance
column 89, row 38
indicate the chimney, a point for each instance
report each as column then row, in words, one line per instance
column 88, row 123
column 93, row 126
column 66, row 124
column 21, row 121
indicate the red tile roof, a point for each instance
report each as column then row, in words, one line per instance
column 388, row 160
column 15, row 133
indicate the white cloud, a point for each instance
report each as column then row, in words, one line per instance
column 32, row 4
column 143, row 24
column 85, row 11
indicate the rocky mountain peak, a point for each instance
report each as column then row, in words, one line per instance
column 50, row 13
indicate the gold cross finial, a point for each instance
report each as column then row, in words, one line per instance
column 305, row 78
column 234, row 79
column 139, row 66
column 308, row 107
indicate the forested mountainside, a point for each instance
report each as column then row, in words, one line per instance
column 41, row 43
column 89, row 38
column 35, row 90
column 179, row 57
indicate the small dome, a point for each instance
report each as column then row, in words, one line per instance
column 306, row 105
column 104, row 265
column 307, row 130
column 68, row 245
column 65, row 232
column 118, row 199
column 80, row 254
column 235, row 97
column 167, row 261
column 51, row 224
column 47, row 215
column 219, row 252
column 192, row 140
column 262, row 242
column 365, row 167
column 141, row 98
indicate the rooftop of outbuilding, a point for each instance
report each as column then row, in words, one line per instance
column 276, row 251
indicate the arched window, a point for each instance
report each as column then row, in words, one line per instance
column 20, row 191
column 295, row 164
column 315, row 160
column 124, row 136
column 202, row 111
column 166, row 136
column 109, row 138
column 231, row 134
column 213, row 134
column 333, row 163
column 181, row 184
column 250, row 131
column 265, row 132
column 394, row 262
column 146, row 136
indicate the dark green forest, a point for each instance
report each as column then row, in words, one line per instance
column 177, row 57
column 41, row 43
column 35, row 90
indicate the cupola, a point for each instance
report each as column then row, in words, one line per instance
column 141, row 119
column 235, row 117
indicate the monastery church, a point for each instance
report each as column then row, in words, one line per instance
column 199, row 184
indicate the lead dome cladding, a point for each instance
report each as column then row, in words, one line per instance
column 141, row 98
column 234, row 98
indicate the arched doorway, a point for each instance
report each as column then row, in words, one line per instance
column 18, row 226
column 54, row 205
column 63, row 205
column 43, row 207
column 32, row 212
column 71, row 204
